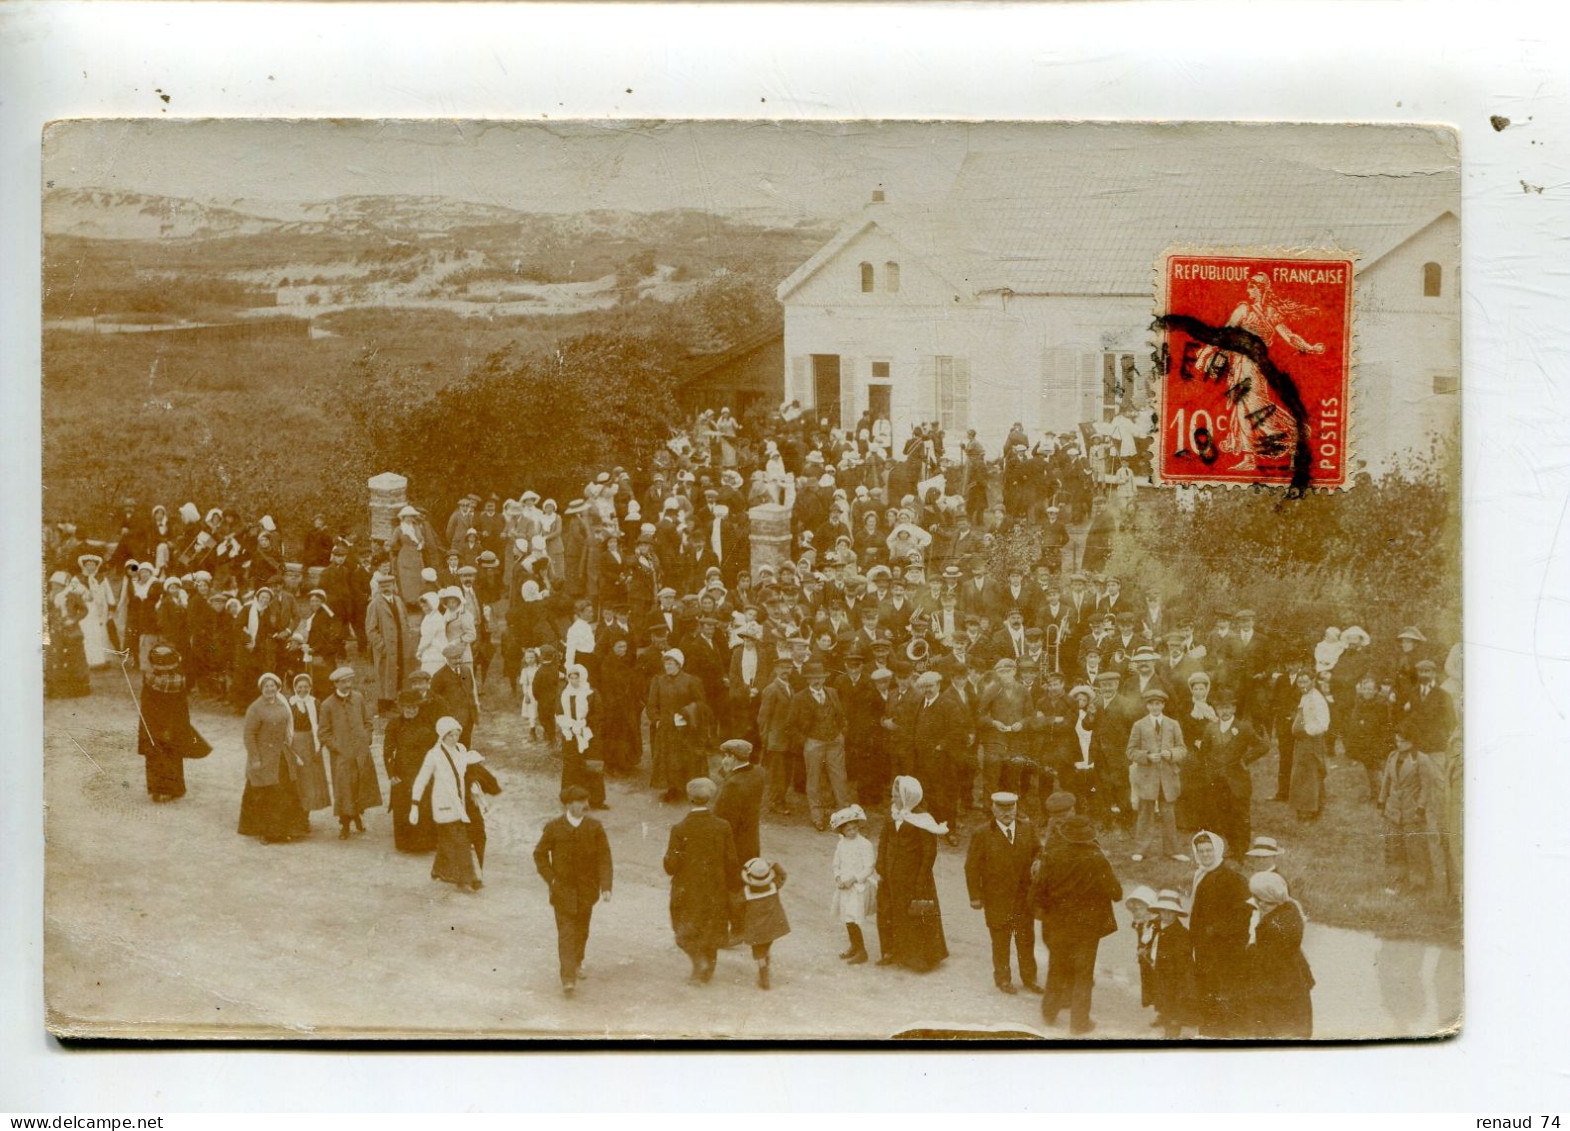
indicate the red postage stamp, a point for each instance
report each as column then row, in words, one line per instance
column 1255, row 380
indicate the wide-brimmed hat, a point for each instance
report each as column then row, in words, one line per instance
column 1263, row 846
column 1143, row 654
column 1411, row 633
column 1081, row 689
column 843, row 817
column 1141, row 894
column 757, row 872
column 1169, row 900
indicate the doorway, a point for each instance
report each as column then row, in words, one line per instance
column 826, row 387
column 879, row 401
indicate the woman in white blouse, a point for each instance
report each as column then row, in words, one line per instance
column 1309, row 727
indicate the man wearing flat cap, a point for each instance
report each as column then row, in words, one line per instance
column 573, row 857
column 997, row 876
column 1425, row 711
column 701, row 861
column 343, row 728
column 1156, row 753
column 817, row 720
column 453, row 686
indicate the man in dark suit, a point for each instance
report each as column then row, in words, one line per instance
column 1427, row 712
column 574, row 860
column 1075, row 889
column 701, row 862
column 454, row 686
column 741, row 796
column 940, row 740
column 997, row 876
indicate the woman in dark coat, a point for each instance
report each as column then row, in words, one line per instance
column 404, row 746
column 701, row 862
column 312, row 777
column 1279, row 982
column 270, row 806
column 617, row 687
column 65, row 670
column 1219, row 913
column 1074, row 890
column 166, row 738
column 910, row 922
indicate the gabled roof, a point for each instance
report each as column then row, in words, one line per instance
column 922, row 233
column 1090, row 206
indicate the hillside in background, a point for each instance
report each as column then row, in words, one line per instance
column 155, row 384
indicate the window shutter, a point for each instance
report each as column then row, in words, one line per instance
column 1060, row 399
column 1090, row 388
column 961, row 394
column 849, row 386
column 926, row 389
column 800, row 381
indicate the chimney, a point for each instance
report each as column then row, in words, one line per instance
column 877, row 196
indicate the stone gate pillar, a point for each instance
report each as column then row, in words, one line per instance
column 389, row 494
column 770, row 536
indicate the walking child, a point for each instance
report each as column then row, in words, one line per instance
column 855, row 879
column 764, row 919
column 530, row 708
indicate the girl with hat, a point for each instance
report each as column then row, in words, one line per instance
column 166, row 737
column 529, row 708
column 855, row 879
column 1279, row 982
column 763, row 916
column 270, row 805
column 307, row 751
column 1171, row 966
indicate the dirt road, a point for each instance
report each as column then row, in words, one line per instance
column 160, row 921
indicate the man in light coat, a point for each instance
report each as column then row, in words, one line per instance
column 1155, row 754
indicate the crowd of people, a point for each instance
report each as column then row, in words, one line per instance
column 877, row 656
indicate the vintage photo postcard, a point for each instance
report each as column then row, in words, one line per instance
column 761, row 580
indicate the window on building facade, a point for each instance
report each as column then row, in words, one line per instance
column 1119, row 382
column 1446, row 384
column 880, row 371
column 891, row 277
column 953, row 393
column 1433, row 280
column 866, row 279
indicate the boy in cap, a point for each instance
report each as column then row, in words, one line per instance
column 997, row 876
column 574, row 859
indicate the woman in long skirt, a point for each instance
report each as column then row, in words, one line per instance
column 555, row 547
column 404, row 745
column 442, row 774
column 100, row 610
column 1309, row 727
column 65, row 667
column 270, row 806
column 910, row 923
column 165, row 737
column 307, row 751
column 1280, row 984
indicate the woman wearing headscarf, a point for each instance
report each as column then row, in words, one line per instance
column 65, row 670
column 306, row 747
column 910, row 923
column 433, row 635
column 261, row 623
column 579, row 719
column 270, row 806
column 1279, row 981
column 166, row 738
column 442, row 774
column 1219, row 914
column 555, row 547
column 100, row 610
column 1309, row 726
column 673, row 708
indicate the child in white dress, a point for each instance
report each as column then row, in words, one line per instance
column 531, row 707
column 855, row 879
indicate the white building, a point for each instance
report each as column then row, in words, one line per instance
column 1028, row 293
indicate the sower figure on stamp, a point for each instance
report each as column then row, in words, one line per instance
column 574, row 860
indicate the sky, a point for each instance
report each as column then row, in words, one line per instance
column 801, row 170
column 790, row 170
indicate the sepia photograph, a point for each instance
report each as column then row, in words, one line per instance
column 766, row 580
